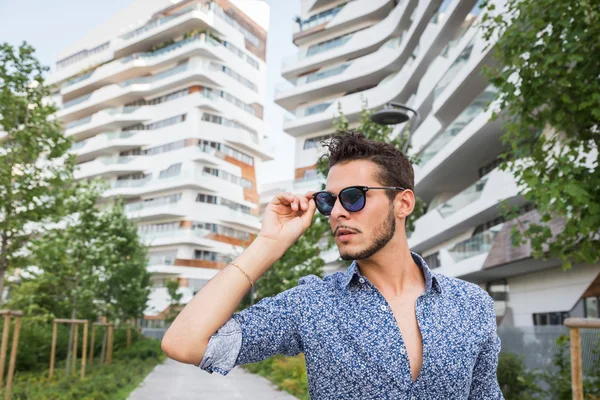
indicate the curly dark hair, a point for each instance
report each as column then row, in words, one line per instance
column 394, row 167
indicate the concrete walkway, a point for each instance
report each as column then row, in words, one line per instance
column 176, row 381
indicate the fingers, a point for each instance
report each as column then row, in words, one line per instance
column 310, row 211
column 295, row 202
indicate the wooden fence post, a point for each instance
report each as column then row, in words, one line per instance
column 53, row 351
column 13, row 355
column 109, row 346
column 574, row 325
column 73, row 363
column 5, row 332
column 92, row 339
column 84, row 348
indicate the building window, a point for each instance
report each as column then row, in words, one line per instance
column 217, row 119
column 433, row 260
column 591, row 307
column 210, row 256
column 314, row 142
column 162, row 257
column 206, row 198
column 551, row 318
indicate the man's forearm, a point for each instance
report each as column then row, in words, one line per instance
column 213, row 305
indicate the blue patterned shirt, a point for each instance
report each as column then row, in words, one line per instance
column 352, row 343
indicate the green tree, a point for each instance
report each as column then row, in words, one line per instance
column 381, row 133
column 36, row 168
column 174, row 299
column 549, row 96
column 90, row 264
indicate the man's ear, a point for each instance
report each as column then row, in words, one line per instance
column 404, row 203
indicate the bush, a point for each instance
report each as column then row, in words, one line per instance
column 102, row 382
column 515, row 381
column 35, row 342
column 287, row 373
column 142, row 349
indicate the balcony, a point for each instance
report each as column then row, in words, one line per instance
column 107, row 120
column 352, row 45
column 423, row 31
column 108, row 143
column 332, row 80
column 340, row 17
column 473, row 110
column 199, row 17
column 478, row 203
column 108, row 166
column 156, row 209
column 139, row 63
column 467, row 256
column 188, row 178
column 132, row 89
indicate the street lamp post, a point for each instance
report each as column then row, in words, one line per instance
column 396, row 113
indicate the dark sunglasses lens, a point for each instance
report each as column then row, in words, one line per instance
column 353, row 199
column 324, row 202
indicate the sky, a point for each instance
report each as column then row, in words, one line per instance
column 52, row 26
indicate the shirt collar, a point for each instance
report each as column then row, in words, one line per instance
column 431, row 280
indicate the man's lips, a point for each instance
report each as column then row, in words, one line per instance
column 344, row 233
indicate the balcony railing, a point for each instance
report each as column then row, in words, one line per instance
column 478, row 244
column 317, row 19
column 182, row 43
column 175, row 233
column 79, row 122
column 477, row 107
column 76, row 101
column 144, row 205
column 154, row 78
column 311, row 110
column 463, row 199
column 316, row 49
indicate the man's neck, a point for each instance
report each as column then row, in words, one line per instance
column 393, row 271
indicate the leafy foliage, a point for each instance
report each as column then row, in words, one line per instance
column 549, row 95
column 91, row 264
column 174, row 299
column 36, row 167
column 102, row 382
column 288, row 373
column 515, row 381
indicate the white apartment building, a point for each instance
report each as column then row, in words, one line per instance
column 165, row 102
column 428, row 55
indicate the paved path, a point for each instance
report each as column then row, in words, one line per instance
column 175, row 381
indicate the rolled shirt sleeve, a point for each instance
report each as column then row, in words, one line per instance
column 256, row 333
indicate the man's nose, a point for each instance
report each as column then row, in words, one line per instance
column 338, row 211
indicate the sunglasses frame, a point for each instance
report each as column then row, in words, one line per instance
column 364, row 190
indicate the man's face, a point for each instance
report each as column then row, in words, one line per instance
column 361, row 234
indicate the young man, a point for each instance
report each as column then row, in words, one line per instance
column 387, row 328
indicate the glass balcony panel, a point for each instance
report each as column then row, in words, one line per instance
column 463, row 199
column 474, row 109
column 478, row 244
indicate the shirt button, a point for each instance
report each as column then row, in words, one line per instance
column 383, row 308
column 402, row 351
column 361, row 280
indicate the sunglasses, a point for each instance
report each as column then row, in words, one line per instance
column 353, row 198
